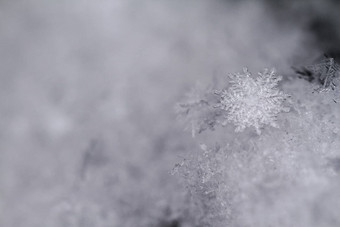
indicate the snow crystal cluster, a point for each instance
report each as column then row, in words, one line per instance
column 247, row 102
column 279, row 176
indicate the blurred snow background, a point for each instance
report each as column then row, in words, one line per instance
column 88, row 132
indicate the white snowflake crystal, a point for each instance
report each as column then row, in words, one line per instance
column 252, row 101
column 328, row 72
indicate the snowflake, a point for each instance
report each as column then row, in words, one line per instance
column 327, row 71
column 252, row 102
column 197, row 110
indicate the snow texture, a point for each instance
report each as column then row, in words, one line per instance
column 88, row 132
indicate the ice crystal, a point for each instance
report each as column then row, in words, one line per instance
column 197, row 110
column 203, row 175
column 327, row 71
column 252, row 101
